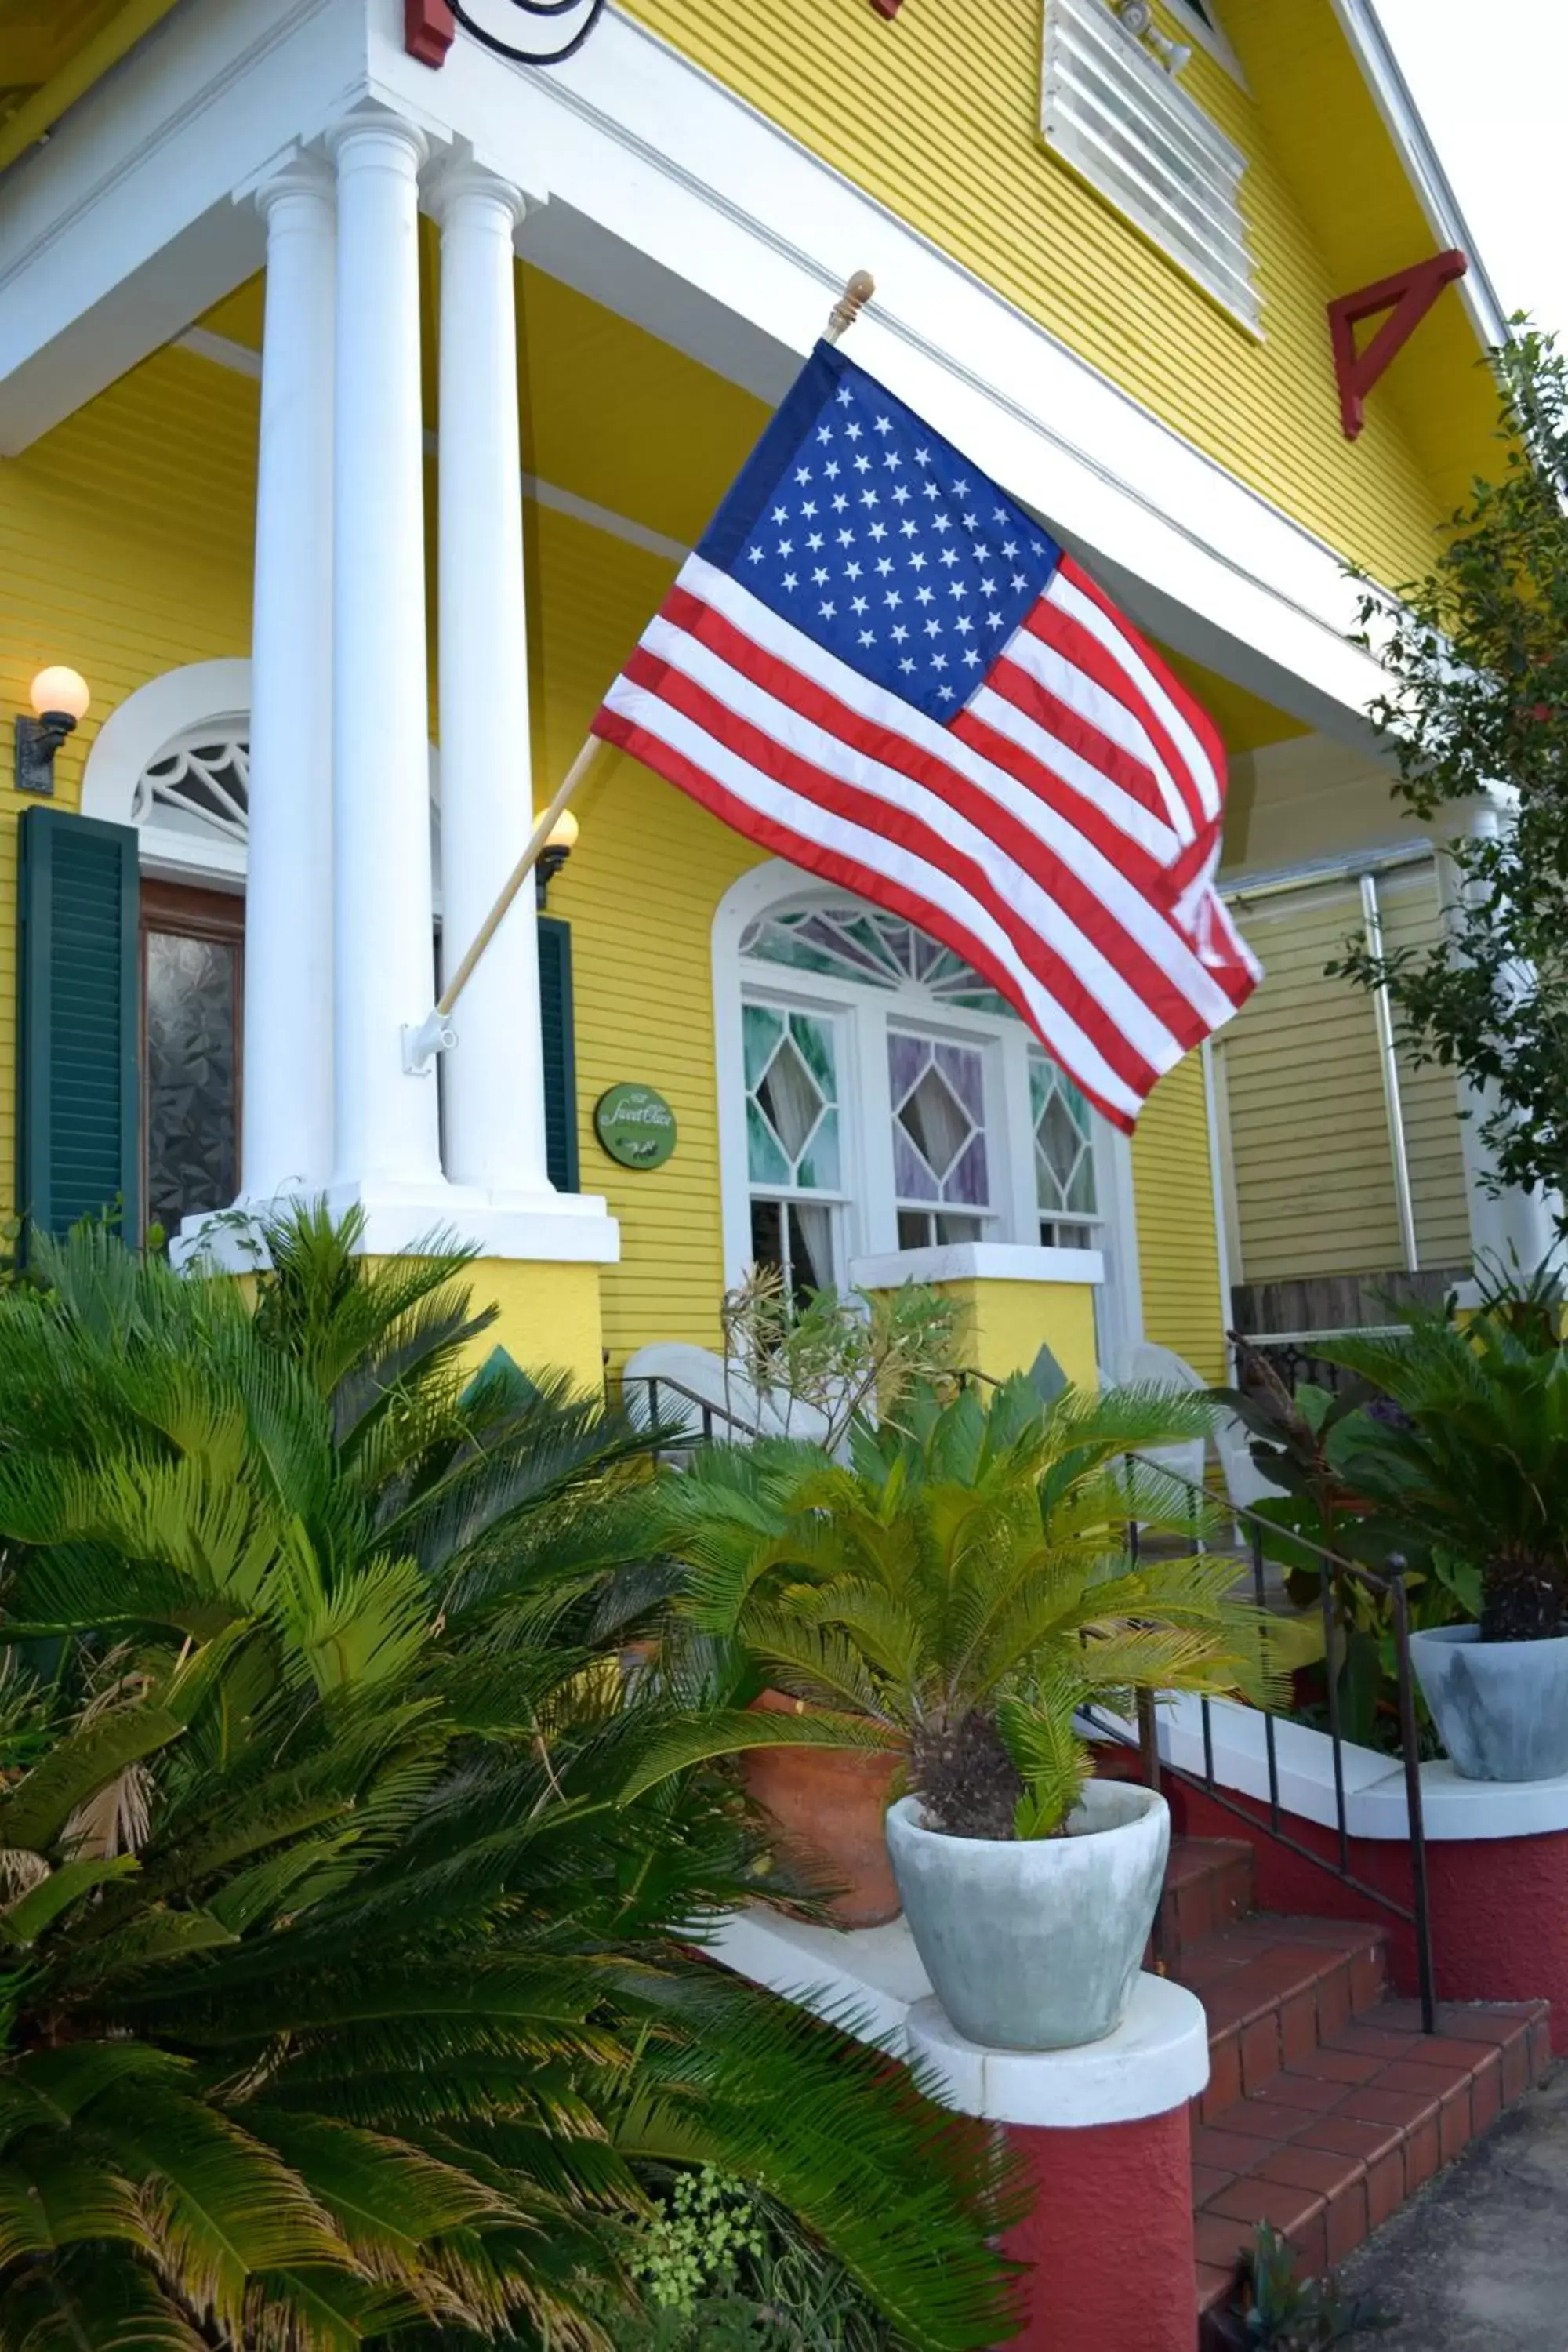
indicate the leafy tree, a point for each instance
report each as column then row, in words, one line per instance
column 1477, row 710
column 345, row 1996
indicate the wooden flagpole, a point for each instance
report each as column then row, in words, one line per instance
column 518, row 876
column 434, row 1033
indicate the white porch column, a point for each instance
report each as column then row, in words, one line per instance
column 386, row 1123
column 1512, row 1225
column 289, row 884
column 493, row 1077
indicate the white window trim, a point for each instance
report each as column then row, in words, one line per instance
column 980, row 1261
column 866, row 1133
column 215, row 694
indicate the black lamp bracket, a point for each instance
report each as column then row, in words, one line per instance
column 38, row 741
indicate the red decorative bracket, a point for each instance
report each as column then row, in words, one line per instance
column 888, row 9
column 1408, row 296
column 429, row 29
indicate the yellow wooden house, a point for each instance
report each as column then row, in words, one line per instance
column 363, row 381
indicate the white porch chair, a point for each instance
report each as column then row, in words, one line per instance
column 1244, row 1482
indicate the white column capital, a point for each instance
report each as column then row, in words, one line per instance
column 462, row 181
column 365, row 140
column 303, row 176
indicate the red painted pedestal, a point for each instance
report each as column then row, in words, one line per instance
column 1111, row 2237
column 1104, row 2136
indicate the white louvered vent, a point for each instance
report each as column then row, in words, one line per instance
column 1110, row 109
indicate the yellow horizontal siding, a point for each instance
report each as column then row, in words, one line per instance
column 1178, row 1249
column 1412, row 917
column 1309, row 1138
column 936, row 115
column 125, row 550
column 1309, row 1129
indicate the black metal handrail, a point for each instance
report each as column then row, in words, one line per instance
column 708, row 1414
column 1332, row 1568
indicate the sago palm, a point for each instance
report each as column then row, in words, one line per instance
column 965, row 1575
column 347, row 1999
column 1475, row 1463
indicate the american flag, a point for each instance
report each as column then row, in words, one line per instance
column 878, row 665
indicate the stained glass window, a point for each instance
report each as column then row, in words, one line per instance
column 940, row 1173
column 203, row 784
column 853, row 942
column 793, row 1144
column 1063, row 1155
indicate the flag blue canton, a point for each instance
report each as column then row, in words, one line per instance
column 871, row 534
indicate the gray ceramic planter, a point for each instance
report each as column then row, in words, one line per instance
column 1036, row 1943
column 1500, row 1707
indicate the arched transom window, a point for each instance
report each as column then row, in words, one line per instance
column 199, row 785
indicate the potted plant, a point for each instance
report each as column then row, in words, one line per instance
column 1473, row 1463
column 954, row 1593
column 1308, row 1443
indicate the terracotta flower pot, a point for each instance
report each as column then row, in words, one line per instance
column 829, row 1804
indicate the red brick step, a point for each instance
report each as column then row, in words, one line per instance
column 1327, row 2107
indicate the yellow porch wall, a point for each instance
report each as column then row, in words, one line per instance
column 125, row 550
column 1178, row 1250
column 1002, row 1325
column 936, row 115
column 550, row 1318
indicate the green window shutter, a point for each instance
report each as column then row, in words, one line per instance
column 77, row 1123
column 560, row 1051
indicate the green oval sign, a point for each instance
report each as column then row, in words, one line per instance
column 636, row 1126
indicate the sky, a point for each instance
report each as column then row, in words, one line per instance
column 1491, row 84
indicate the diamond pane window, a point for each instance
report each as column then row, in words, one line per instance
column 792, row 1101
column 940, row 1170
column 879, row 950
column 1063, row 1155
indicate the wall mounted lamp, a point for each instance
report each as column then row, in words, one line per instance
column 1139, row 19
column 561, row 841
column 59, row 697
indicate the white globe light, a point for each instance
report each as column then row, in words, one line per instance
column 562, row 833
column 59, row 688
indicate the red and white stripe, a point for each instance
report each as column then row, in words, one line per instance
column 1059, row 834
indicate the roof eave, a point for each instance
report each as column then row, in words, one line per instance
column 1396, row 104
